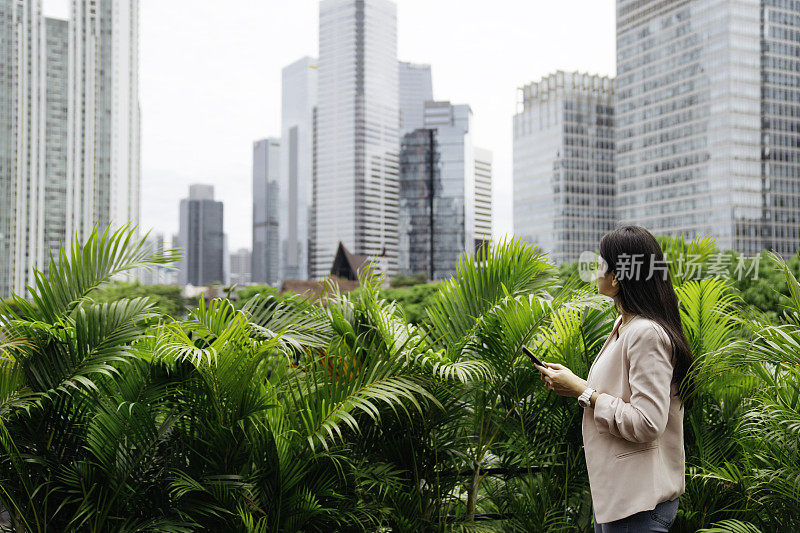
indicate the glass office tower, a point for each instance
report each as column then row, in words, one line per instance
column 298, row 106
column 415, row 88
column 780, row 123
column 357, row 133
column 564, row 163
column 445, row 192
column 707, row 121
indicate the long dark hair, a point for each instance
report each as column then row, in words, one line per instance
column 633, row 252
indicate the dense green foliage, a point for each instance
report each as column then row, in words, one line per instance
column 414, row 300
column 283, row 415
column 404, row 280
column 166, row 298
column 246, row 294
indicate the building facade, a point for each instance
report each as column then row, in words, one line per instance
column 22, row 122
column 201, row 238
column 156, row 275
column 56, row 135
column 104, row 173
column 297, row 167
column 780, row 123
column 69, row 128
column 415, row 86
column 266, row 172
column 445, row 193
column 240, row 264
column 707, row 117
column 356, row 185
column 564, row 163
column 483, row 198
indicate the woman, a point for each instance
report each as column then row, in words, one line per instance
column 633, row 411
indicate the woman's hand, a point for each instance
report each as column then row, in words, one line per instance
column 561, row 380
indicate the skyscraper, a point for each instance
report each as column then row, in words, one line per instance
column 415, row 88
column 201, row 237
column 297, row 167
column 69, row 128
column 445, row 192
column 707, row 116
column 483, row 197
column 56, row 135
column 104, row 104
column 156, row 275
column 266, row 170
column 22, row 111
column 357, row 132
column 564, row 163
column 240, row 261
column 780, row 123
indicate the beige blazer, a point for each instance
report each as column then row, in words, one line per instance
column 633, row 437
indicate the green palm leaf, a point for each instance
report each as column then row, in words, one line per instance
column 72, row 276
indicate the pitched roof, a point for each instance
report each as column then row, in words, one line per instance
column 316, row 289
column 346, row 264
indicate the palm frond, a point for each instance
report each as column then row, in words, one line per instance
column 731, row 526
column 75, row 273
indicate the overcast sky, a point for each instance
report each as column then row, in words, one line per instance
column 210, row 81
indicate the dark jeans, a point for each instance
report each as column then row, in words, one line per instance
column 655, row 520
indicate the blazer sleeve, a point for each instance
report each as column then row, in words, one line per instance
column 644, row 418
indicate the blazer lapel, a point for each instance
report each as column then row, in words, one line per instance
column 608, row 339
column 613, row 331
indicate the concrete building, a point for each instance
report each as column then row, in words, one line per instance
column 483, row 197
column 708, row 100
column 564, row 163
column 240, row 262
column 201, row 237
column 298, row 108
column 445, row 193
column 161, row 274
column 355, row 192
column 266, row 250
column 104, row 146
column 22, row 121
column 56, row 135
column 69, row 128
column 415, row 86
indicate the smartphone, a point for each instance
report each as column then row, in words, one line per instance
column 535, row 359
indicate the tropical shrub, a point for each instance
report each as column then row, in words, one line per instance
column 279, row 414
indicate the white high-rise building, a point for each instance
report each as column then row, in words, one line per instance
column 22, row 127
column 355, row 191
column 56, row 136
column 415, row 87
column 266, row 209
column 298, row 108
column 483, row 197
column 240, row 264
column 564, row 163
column 104, row 106
column 161, row 274
column 69, row 128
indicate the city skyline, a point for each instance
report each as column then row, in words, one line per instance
column 474, row 60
